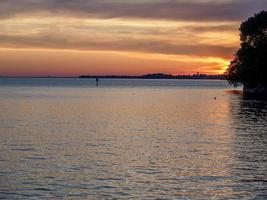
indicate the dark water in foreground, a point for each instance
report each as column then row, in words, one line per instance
column 130, row 139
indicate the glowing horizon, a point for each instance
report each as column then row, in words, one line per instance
column 71, row 38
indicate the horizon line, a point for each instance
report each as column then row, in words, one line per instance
column 112, row 75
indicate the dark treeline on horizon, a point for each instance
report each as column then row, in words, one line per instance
column 146, row 76
column 159, row 76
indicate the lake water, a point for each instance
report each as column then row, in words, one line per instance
column 130, row 139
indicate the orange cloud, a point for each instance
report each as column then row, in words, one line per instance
column 120, row 38
column 43, row 62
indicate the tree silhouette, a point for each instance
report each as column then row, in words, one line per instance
column 249, row 66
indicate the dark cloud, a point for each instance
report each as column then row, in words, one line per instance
column 192, row 10
column 138, row 45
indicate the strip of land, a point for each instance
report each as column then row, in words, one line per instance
column 159, row 76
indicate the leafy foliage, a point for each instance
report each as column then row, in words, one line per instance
column 249, row 66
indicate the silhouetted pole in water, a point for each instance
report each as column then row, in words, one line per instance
column 96, row 81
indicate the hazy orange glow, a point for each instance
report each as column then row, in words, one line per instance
column 73, row 63
column 35, row 42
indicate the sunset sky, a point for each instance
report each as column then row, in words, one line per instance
column 122, row 37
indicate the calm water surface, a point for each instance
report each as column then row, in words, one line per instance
column 130, row 139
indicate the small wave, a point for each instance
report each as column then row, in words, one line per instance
column 25, row 149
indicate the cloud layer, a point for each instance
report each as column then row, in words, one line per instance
column 120, row 35
column 190, row 10
column 196, row 34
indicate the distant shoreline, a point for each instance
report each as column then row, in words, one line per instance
column 146, row 76
column 159, row 76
